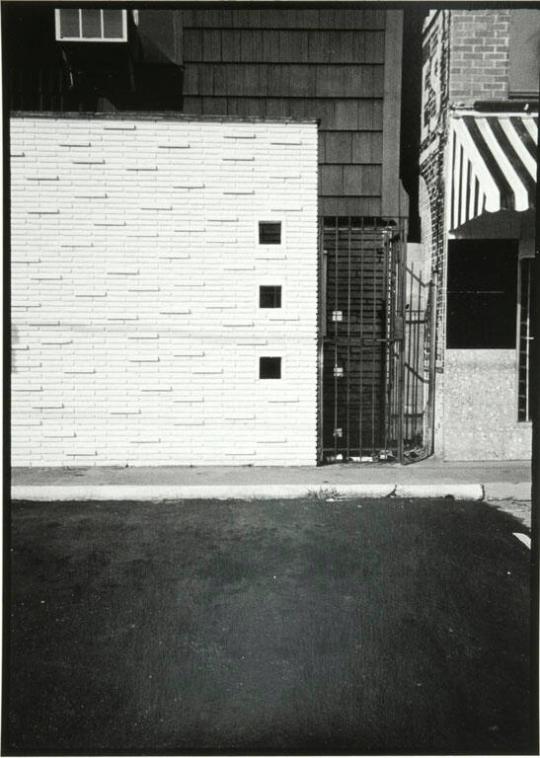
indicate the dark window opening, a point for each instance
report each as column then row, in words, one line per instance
column 525, row 337
column 482, row 293
column 269, row 296
column 269, row 368
column 269, row 233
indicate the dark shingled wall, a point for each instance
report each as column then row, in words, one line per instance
column 325, row 64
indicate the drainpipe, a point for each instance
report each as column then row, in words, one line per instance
column 534, row 394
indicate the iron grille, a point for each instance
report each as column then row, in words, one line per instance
column 374, row 360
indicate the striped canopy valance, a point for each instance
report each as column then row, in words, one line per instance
column 492, row 164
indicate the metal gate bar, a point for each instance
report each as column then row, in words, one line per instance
column 348, row 336
column 417, row 369
column 394, row 347
column 374, row 358
column 361, row 374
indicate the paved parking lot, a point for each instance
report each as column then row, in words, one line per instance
column 384, row 626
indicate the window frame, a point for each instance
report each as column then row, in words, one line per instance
column 80, row 38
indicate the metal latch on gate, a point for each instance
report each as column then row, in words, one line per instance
column 338, row 370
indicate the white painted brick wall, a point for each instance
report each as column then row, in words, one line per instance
column 135, row 277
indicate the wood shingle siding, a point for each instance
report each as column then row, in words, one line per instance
column 283, row 80
column 333, row 115
column 286, row 19
column 339, row 205
column 283, row 46
column 327, row 64
column 352, row 180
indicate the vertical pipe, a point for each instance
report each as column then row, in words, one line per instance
column 422, row 363
column 348, row 403
column 320, row 338
column 432, row 365
column 393, row 332
column 386, row 378
column 401, row 314
column 326, row 356
column 406, row 346
column 393, row 345
column 520, row 335
column 408, row 336
column 375, row 342
column 361, row 343
column 377, row 362
column 528, row 340
column 416, row 366
column 415, row 374
column 418, row 397
column 335, row 305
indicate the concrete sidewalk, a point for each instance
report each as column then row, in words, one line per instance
column 488, row 480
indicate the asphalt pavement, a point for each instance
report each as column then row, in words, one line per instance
column 365, row 627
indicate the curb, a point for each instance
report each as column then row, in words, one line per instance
column 457, row 491
column 49, row 493
column 508, row 491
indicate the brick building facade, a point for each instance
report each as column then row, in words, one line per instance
column 479, row 47
column 477, row 166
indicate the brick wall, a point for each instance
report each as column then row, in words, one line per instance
column 465, row 59
column 435, row 101
column 479, row 63
column 135, row 276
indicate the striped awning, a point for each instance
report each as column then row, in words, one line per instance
column 493, row 164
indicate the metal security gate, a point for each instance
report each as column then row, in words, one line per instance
column 373, row 374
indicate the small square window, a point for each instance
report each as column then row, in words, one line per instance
column 269, row 297
column 269, row 368
column 269, row 232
